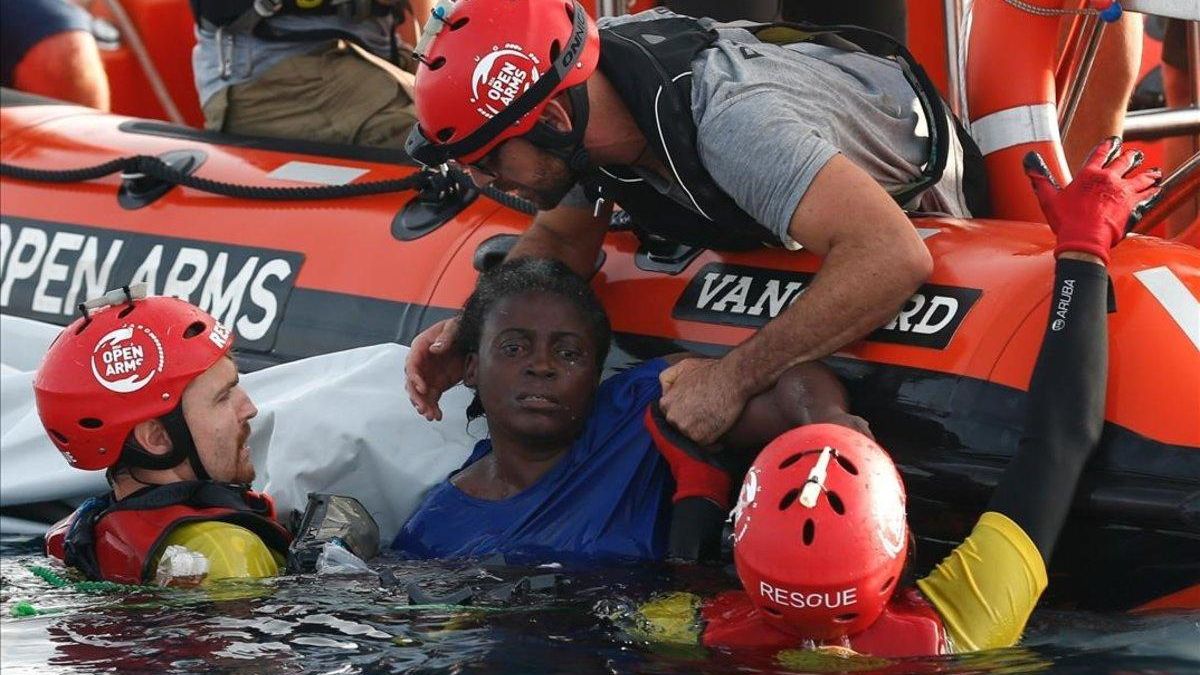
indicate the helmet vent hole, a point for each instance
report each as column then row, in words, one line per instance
column 846, row 464
column 196, row 328
column 455, row 25
column 58, row 436
column 125, row 312
column 809, row 532
column 789, row 498
column 555, row 48
column 846, row 618
column 887, row 585
column 836, row 502
column 443, row 135
column 439, row 61
column 90, row 423
column 792, row 460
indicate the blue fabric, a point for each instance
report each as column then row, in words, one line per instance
column 24, row 23
column 609, row 498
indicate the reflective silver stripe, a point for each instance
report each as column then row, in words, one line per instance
column 667, row 151
column 618, row 178
column 1014, row 126
column 311, row 172
column 1179, row 302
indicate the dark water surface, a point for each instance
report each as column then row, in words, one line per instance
column 364, row 624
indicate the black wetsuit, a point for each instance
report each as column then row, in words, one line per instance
column 1065, row 407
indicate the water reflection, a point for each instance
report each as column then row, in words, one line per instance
column 367, row 624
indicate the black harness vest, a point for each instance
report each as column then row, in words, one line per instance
column 650, row 65
column 168, row 506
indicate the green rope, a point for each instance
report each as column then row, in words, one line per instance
column 25, row 609
column 56, row 580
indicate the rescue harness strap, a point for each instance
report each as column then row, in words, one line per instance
column 433, row 182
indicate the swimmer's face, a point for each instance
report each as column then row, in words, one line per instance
column 218, row 413
column 536, row 369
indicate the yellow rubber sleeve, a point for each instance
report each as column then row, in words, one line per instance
column 233, row 552
column 987, row 587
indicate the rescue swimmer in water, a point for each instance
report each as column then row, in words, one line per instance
column 146, row 389
column 705, row 134
column 820, row 538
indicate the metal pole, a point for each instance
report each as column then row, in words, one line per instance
column 1193, row 44
column 1177, row 188
column 1075, row 85
column 142, row 56
column 1149, row 125
column 952, row 16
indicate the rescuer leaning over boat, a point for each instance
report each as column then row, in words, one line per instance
column 146, row 389
column 819, row 530
column 730, row 137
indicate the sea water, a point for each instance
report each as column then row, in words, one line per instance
column 580, row 623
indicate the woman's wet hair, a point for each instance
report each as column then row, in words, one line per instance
column 522, row 277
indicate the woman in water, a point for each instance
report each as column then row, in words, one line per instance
column 570, row 470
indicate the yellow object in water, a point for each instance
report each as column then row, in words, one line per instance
column 233, row 552
column 986, row 588
column 670, row 619
column 829, row 659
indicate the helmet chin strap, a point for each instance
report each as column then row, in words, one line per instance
column 183, row 447
column 566, row 145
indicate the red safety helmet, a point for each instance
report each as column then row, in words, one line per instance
column 127, row 360
column 820, row 536
column 489, row 69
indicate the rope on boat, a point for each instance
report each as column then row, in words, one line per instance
column 1050, row 11
column 153, row 167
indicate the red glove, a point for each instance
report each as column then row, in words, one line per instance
column 696, row 475
column 1090, row 214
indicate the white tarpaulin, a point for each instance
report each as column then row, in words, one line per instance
column 338, row 423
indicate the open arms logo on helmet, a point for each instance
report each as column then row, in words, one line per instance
column 501, row 76
column 893, row 526
column 126, row 359
column 490, row 67
column 747, row 500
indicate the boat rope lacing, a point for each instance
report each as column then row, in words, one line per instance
column 433, row 182
column 1048, row 11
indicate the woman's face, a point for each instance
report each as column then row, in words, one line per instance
column 535, row 370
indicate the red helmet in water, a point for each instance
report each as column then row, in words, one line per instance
column 819, row 532
column 488, row 69
column 126, row 361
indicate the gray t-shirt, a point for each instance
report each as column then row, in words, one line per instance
column 249, row 56
column 768, row 118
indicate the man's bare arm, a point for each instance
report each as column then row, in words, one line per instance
column 572, row 235
column 873, row 261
